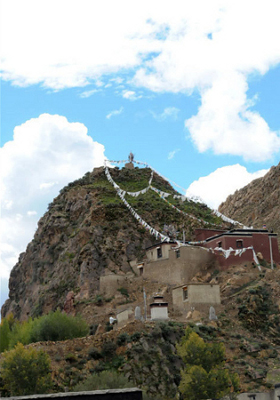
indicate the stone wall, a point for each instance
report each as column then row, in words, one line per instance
column 273, row 395
column 200, row 296
column 152, row 252
column 177, row 270
column 204, row 293
column 123, row 316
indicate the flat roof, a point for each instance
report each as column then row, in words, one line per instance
column 196, row 284
column 241, row 232
column 160, row 244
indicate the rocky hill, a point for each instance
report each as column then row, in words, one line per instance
column 88, row 232
column 248, row 325
column 258, row 203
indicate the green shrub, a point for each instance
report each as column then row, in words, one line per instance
column 108, row 350
column 135, row 336
column 70, row 357
column 58, row 326
column 5, row 335
column 204, row 376
column 123, row 291
column 104, row 380
column 53, row 326
column 122, row 339
column 26, row 371
column 94, row 353
column 98, row 300
column 108, row 327
column 22, row 332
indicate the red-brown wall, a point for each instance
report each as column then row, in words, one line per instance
column 260, row 240
column 202, row 234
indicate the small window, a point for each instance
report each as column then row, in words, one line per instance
column 252, row 396
column 220, row 244
column 185, row 293
column 178, row 253
column 239, row 244
column 159, row 252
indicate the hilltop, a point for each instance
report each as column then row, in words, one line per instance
column 88, row 232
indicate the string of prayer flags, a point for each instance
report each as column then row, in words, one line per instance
column 238, row 252
column 152, row 230
column 134, row 194
column 163, row 195
column 226, row 219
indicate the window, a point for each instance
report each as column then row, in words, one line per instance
column 239, row 244
column 252, row 396
column 178, row 253
column 159, row 252
column 220, row 244
column 185, row 293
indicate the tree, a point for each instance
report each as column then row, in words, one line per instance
column 6, row 327
column 26, row 371
column 204, row 376
column 4, row 334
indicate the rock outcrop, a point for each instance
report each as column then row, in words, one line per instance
column 258, row 203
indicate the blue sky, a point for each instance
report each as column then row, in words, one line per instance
column 193, row 90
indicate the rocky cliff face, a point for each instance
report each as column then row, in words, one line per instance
column 257, row 203
column 88, row 232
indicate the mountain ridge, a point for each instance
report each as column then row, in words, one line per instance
column 258, row 203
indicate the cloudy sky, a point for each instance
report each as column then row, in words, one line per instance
column 192, row 88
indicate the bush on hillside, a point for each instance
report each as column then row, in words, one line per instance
column 58, row 326
column 204, row 375
column 25, row 371
column 53, row 326
column 6, row 327
column 104, row 380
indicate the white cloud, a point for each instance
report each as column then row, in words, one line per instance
column 31, row 213
column 114, row 113
column 168, row 112
column 225, row 124
column 88, row 93
column 215, row 187
column 206, row 46
column 47, row 185
column 171, row 154
column 130, row 95
column 46, row 152
column 117, row 80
